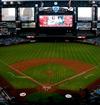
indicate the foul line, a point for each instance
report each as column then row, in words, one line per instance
column 73, row 77
column 50, row 86
column 21, row 73
column 13, row 75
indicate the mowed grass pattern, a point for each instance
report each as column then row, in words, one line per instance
column 49, row 73
column 70, row 51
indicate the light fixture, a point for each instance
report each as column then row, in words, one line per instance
column 36, row 5
column 11, row 2
column 55, row 3
column 4, row 2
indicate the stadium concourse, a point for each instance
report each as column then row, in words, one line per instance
column 49, row 52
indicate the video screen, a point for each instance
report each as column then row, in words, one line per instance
column 8, row 14
column 26, row 14
column 84, row 13
column 28, row 25
column 56, row 21
column 98, row 13
column 84, row 26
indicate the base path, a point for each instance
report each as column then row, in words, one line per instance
column 22, row 74
column 79, row 67
column 75, row 76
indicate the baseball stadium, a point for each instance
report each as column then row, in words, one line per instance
column 49, row 52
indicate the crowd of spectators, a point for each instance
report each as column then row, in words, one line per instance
column 16, row 40
column 95, row 41
column 12, row 40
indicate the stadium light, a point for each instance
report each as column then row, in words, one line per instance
column 19, row 2
column 36, row 5
column 55, row 3
column 11, row 2
column 5, row 3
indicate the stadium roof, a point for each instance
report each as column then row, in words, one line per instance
column 48, row 0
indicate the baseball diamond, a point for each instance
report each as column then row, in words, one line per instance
column 63, row 65
column 49, row 52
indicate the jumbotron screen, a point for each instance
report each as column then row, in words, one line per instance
column 85, row 13
column 98, row 13
column 56, row 21
column 8, row 14
column 26, row 14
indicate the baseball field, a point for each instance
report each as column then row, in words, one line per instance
column 50, row 66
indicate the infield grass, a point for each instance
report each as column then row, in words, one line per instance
column 49, row 73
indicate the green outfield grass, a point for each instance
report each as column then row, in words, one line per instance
column 70, row 51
